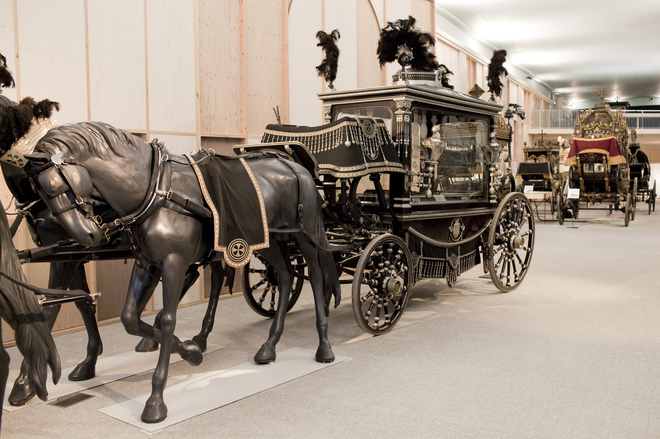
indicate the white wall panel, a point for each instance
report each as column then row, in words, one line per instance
column 176, row 144
column 304, row 56
column 171, row 65
column 379, row 9
column 51, row 47
column 264, row 68
column 342, row 15
column 7, row 42
column 117, row 63
column 368, row 31
column 220, row 67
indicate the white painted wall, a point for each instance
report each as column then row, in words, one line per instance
column 53, row 63
column 171, row 65
column 305, row 20
column 117, row 65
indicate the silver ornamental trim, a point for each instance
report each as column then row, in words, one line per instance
column 26, row 144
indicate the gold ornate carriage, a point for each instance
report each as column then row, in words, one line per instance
column 598, row 165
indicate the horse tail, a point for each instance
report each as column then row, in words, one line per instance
column 21, row 310
column 331, row 285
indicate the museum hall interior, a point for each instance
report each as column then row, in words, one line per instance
column 329, row 218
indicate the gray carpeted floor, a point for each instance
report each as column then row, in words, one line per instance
column 573, row 353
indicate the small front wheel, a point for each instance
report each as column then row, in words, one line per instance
column 628, row 208
column 381, row 285
column 511, row 242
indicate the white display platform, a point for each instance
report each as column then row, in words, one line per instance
column 215, row 389
column 108, row 369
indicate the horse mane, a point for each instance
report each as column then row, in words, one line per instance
column 20, row 309
column 96, row 139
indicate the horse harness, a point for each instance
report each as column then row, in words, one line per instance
column 158, row 194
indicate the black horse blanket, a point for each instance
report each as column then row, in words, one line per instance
column 240, row 224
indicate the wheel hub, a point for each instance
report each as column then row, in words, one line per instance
column 393, row 285
column 517, row 242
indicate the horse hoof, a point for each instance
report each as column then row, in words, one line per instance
column 324, row 354
column 191, row 352
column 83, row 371
column 154, row 412
column 22, row 392
column 201, row 342
column 146, row 345
column 265, row 355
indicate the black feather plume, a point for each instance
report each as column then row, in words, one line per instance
column 495, row 70
column 16, row 119
column 6, row 78
column 328, row 67
column 404, row 33
column 444, row 80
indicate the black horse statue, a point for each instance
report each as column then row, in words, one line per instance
column 158, row 199
column 21, row 310
column 16, row 119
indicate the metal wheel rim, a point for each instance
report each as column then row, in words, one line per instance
column 385, row 259
column 264, row 302
column 634, row 201
column 560, row 212
column 511, row 242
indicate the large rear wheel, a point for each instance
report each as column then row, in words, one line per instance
column 381, row 285
column 511, row 242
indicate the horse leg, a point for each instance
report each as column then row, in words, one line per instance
column 155, row 409
column 23, row 389
column 279, row 260
column 148, row 345
column 217, row 276
column 4, row 373
column 87, row 368
column 310, row 252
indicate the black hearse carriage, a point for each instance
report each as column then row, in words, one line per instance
column 409, row 178
column 599, row 166
column 539, row 174
column 640, row 170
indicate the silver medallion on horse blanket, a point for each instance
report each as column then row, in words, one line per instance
column 240, row 225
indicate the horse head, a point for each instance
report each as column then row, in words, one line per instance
column 66, row 188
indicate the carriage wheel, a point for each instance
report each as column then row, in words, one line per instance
column 626, row 219
column 652, row 199
column 381, row 285
column 634, row 201
column 260, row 288
column 560, row 211
column 511, row 242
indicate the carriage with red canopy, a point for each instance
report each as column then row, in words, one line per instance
column 599, row 175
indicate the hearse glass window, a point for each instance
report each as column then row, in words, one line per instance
column 447, row 157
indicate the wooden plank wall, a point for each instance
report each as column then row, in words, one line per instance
column 192, row 73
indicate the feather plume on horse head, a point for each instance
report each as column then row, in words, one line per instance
column 402, row 41
column 328, row 67
column 6, row 78
column 22, row 123
column 495, row 70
